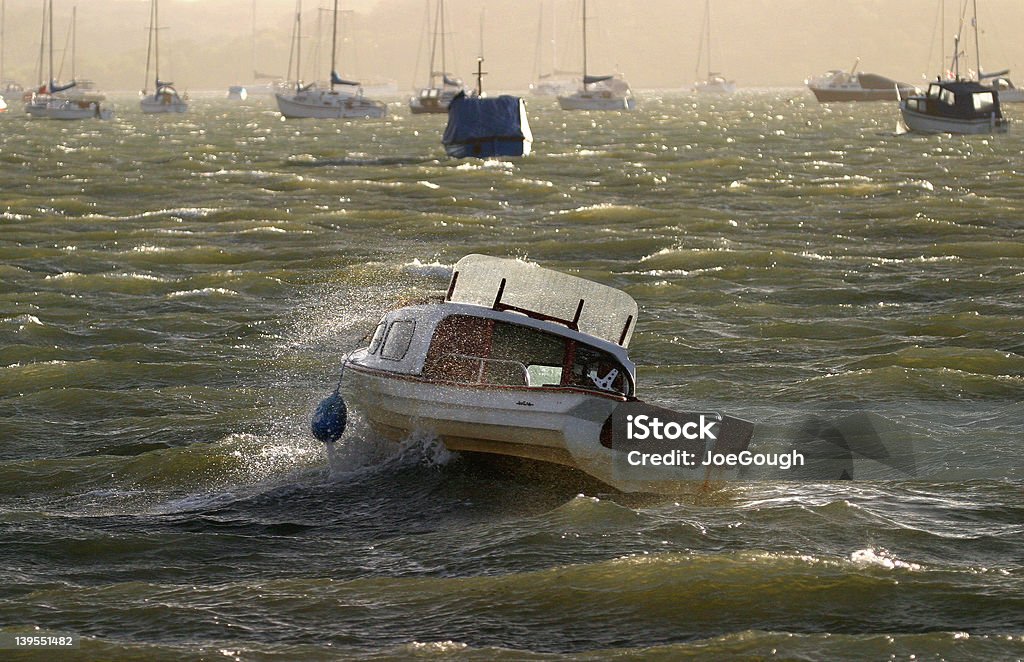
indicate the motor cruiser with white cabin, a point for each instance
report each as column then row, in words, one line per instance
column 516, row 360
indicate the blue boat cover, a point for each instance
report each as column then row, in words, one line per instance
column 471, row 119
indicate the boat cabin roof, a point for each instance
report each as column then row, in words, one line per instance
column 581, row 305
column 963, row 98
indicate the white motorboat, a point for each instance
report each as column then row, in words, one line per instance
column 516, row 360
column 313, row 102
column 715, row 83
column 1008, row 92
column 237, row 93
column 3, row 105
column 841, row 86
column 165, row 98
column 443, row 86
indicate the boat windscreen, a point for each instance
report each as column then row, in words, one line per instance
column 507, row 284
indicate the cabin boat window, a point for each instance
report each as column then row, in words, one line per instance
column 947, row 97
column 398, row 339
column 378, row 335
column 984, row 102
column 472, row 350
column 933, row 91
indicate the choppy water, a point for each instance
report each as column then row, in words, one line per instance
column 175, row 294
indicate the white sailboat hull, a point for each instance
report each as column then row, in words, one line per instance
column 602, row 100
column 327, row 105
column 163, row 103
column 922, row 123
column 67, row 109
column 715, row 88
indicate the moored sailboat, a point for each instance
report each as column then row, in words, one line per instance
column 165, row 98
column 598, row 92
column 442, row 86
column 53, row 101
column 556, row 81
column 715, row 83
column 343, row 99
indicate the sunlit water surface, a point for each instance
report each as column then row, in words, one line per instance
column 176, row 292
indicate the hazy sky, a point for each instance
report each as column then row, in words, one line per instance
column 208, row 44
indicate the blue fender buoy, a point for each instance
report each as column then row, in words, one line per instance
column 329, row 419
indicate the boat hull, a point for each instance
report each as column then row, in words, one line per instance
column 438, row 108
column 294, row 106
column 488, row 148
column 922, row 123
column 67, row 110
column 715, row 89
column 596, row 101
column 826, row 95
column 163, row 104
column 539, row 424
column 557, row 425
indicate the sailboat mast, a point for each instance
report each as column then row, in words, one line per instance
column 433, row 42
column 539, row 53
column 334, row 41
column 707, row 40
column 252, row 58
column 156, row 39
column 298, row 45
column 942, row 35
column 554, row 39
column 977, row 42
column 444, row 62
column 51, row 46
column 3, row 37
column 42, row 48
column 74, row 38
column 584, row 44
column 149, row 51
